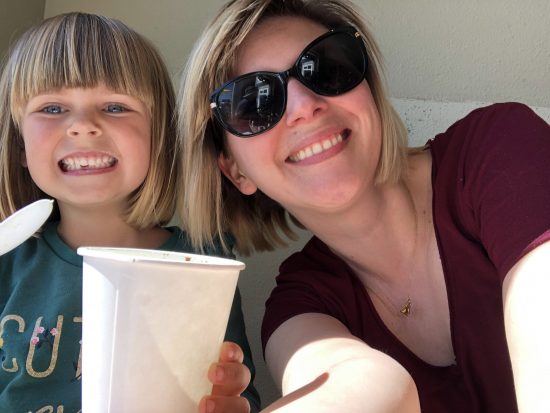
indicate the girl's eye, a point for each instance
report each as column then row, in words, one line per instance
column 53, row 109
column 113, row 108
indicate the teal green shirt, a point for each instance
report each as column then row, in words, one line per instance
column 41, row 325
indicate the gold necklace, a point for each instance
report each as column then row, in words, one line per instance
column 405, row 310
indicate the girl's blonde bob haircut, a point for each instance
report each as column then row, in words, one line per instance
column 210, row 204
column 82, row 50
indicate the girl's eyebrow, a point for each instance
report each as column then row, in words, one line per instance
column 41, row 99
column 123, row 96
column 46, row 95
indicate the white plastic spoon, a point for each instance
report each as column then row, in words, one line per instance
column 22, row 224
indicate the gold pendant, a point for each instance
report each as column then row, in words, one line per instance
column 406, row 309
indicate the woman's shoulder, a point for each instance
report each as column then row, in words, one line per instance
column 503, row 111
column 498, row 128
column 496, row 121
column 501, row 108
column 501, row 120
column 491, row 179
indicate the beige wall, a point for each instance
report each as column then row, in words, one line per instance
column 490, row 50
column 15, row 17
column 441, row 50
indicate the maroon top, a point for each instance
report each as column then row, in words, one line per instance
column 491, row 198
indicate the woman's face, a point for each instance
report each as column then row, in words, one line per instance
column 323, row 153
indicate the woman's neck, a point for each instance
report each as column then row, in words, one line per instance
column 386, row 230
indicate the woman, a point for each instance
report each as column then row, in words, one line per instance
column 424, row 284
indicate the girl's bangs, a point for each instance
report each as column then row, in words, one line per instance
column 61, row 61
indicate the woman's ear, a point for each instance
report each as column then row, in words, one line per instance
column 231, row 170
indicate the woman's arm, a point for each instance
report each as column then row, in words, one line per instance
column 321, row 367
column 526, row 293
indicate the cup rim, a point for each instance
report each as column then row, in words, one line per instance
column 158, row 256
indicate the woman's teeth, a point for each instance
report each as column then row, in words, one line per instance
column 316, row 148
column 86, row 162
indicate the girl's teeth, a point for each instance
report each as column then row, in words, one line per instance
column 75, row 164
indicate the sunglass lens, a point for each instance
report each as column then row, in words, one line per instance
column 333, row 65
column 252, row 103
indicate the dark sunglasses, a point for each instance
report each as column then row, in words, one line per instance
column 253, row 103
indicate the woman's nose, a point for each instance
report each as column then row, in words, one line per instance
column 83, row 124
column 302, row 104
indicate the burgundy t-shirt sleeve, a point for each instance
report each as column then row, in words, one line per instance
column 291, row 297
column 507, row 181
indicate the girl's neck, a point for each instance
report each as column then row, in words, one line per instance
column 102, row 229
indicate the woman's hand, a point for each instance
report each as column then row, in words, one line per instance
column 229, row 377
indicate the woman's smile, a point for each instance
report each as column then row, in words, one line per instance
column 320, row 147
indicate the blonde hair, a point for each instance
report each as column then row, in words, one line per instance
column 210, row 204
column 83, row 50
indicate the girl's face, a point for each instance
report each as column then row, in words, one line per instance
column 323, row 153
column 87, row 147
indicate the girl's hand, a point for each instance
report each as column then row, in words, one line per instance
column 230, row 378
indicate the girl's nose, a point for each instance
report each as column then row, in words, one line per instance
column 83, row 125
column 302, row 103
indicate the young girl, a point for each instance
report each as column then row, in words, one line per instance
column 426, row 283
column 88, row 121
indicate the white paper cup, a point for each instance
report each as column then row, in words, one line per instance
column 153, row 322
